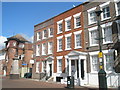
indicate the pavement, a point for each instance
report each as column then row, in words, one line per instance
column 22, row 83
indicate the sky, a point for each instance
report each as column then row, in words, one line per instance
column 20, row 17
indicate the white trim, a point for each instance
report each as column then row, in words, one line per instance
column 44, row 34
column 89, row 11
column 104, row 51
column 93, row 28
column 104, row 26
column 104, row 4
column 67, row 19
column 43, row 50
column 59, row 57
column 67, row 35
column 60, row 37
column 77, row 14
column 101, row 7
column 50, row 52
column 92, row 9
column 49, row 32
column 76, row 33
column 116, row 8
column 60, row 21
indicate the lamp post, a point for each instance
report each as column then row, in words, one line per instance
column 101, row 73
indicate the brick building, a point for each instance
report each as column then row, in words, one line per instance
column 20, row 47
column 43, row 43
column 76, row 46
column 110, row 40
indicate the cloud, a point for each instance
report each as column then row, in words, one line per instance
column 2, row 40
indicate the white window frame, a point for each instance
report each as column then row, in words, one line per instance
column 116, row 8
column 67, row 35
column 89, row 11
column 118, row 26
column 103, row 6
column 50, row 48
column 91, row 63
column 38, row 35
column 111, row 51
column 59, row 58
column 37, row 67
column 92, row 29
column 43, row 49
column 75, row 16
column 44, row 34
column 76, row 33
column 59, row 22
column 67, row 19
column 58, row 38
column 103, row 26
column 37, row 50
column 49, row 32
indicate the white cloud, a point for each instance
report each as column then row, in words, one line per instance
column 2, row 40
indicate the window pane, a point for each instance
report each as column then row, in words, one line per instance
column 107, row 34
column 78, row 40
column 106, row 12
column 60, row 65
column 68, row 42
column 78, row 21
column 51, row 31
column 95, row 65
column 109, row 62
column 60, row 44
column 60, row 27
column 68, row 24
column 92, row 17
column 118, row 7
column 45, row 33
column 94, row 35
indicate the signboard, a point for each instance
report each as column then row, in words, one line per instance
column 100, row 55
column 24, row 64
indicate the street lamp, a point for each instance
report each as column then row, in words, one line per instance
column 101, row 73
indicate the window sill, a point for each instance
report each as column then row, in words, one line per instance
column 77, row 47
column 92, row 23
column 59, row 50
column 68, row 49
column 108, row 42
column 105, row 19
column 77, row 27
column 50, row 53
column 50, row 36
column 59, row 32
column 67, row 29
